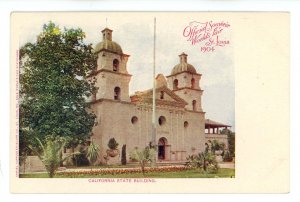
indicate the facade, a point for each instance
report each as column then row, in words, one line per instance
column 180, row 118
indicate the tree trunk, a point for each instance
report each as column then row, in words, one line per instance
column 73, row 156
column 204, row 165
column 143, row 168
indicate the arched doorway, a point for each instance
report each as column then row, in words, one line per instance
column 162, row 142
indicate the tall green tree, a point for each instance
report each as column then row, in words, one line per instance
column 54, row 86
column 231, row 141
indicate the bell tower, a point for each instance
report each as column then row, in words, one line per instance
column 112, row 76
column 185, row 82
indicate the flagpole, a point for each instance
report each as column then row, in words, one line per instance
column 154, row 92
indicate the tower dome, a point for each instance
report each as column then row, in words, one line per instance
column 183, row 66
column 107, row 43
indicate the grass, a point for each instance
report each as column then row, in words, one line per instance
column 193, row 173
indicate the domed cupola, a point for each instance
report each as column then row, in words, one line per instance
column 111, row 73
column 107, row 43
column 184, row 81
column 183, row 66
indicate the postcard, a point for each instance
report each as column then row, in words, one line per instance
column 149, row 102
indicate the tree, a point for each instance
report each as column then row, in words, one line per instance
column 123, row 157
column 144, row 156
column 54, row 86
column 93, row 153
column 231, row 141
column 50, row 153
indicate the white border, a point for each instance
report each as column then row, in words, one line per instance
column 114, row 5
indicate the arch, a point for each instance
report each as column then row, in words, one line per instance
column 117, row 93
column 161, row 120
column 193, row 83
column 162, row 142
column 175, row 84
column 134, row 120
column 186, row 124
column 116, row 64
column 194, row 103
column 162, row 95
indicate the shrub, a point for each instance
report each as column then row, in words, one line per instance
column 204, row 160
column 216, row 146
column 227, row 157
column 92, row 152
column 112, row 144
column 81, row 159
column 123, row 157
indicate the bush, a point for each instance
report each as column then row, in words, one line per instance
column 204, row 160
column 123, row 157
column 92, row 152
column 112, row 144
column 227, row 157
column 80, row 159
column 216, row 146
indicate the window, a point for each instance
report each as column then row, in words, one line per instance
column 134, row 120
column 162, row 95
column 116, row 65
column 175, row 84
column 161, row 120
column 193, row 83
column 194, row 105
column 186, row 124
column 117, row 93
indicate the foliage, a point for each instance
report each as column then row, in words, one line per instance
column 143, row 156
column 231, row 141
column 115, row 171
column 206, row 161
column 112, row 144
column 81, row 159
column 93, row 152
column 188, row 173
column 54, row 86
column 50, row 153
column 216, row 146
column 227, row 157
column 123, row 156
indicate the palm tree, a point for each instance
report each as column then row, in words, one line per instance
column 143, row 157
column 50, row 153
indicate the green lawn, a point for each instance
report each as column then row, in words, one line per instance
column 194, row 173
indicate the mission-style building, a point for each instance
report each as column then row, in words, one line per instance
column 181, row 126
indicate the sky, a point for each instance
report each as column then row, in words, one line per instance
column 134, row 32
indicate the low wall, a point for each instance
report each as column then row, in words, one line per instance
column 32, row 164
column 219, row 137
